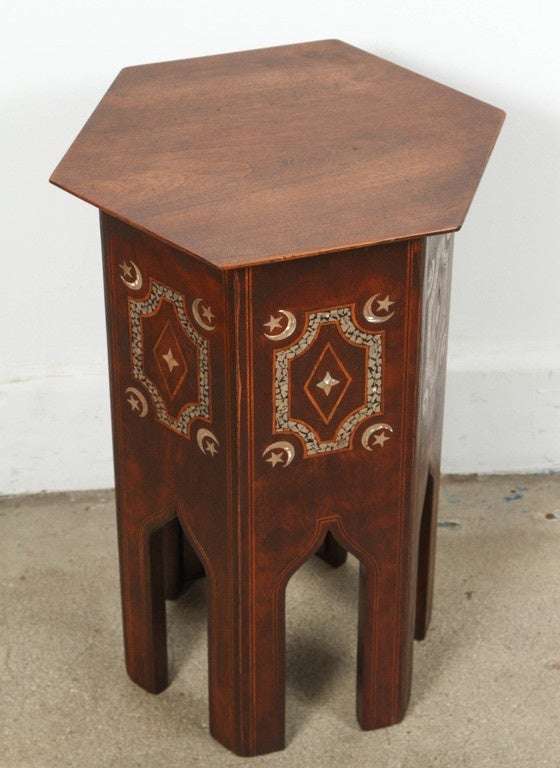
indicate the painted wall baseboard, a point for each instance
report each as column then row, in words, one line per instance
column 502, row 413
column 56, row 432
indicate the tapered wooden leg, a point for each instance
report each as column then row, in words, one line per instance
column 373, row 701
column 332, row 552
column 384, row 652
column 247, row 666
column 426, row 557
column 143, row 597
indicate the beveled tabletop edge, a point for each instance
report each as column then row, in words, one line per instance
column 241, row 263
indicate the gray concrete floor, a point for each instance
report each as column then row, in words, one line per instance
column 486, row 688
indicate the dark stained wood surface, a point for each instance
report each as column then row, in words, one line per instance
column 250, row 520
column 232, row 457
column 265, row 155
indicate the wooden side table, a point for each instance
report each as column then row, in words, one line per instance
column 276, row 239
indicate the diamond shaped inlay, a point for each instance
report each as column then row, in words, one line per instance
column 328, row 374
column 327, row 383
column 170, row 360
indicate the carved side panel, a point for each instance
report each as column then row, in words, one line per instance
column 435, row 317
column 435, row 320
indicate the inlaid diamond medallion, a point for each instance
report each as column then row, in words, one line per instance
column 328, row 381
column 170, row 358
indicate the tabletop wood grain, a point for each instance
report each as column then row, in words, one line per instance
column 282, row 152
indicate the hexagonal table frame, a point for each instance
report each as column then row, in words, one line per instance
column 287, row 203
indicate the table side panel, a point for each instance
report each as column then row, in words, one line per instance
column 357, row 485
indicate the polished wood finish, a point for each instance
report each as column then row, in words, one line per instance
column 268, row 407
column 281, row 153
column 253, row 523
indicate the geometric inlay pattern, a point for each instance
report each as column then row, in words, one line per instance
column 170, row 358
column 323, row 388
column 328, row 381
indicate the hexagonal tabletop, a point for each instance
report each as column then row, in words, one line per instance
column 270, row 154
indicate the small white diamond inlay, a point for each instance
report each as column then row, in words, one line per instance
column 327, row 383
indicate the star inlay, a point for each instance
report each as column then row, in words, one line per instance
column 328, row 383
column 208, row 314
column 126, row 269
column 170, row 360
column 380, row 439
column 385, row 304
column 275, row 458
column 134, row 403
column 273, row 323
column 210, row 447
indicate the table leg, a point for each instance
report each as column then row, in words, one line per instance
column 247, row 661
column 143, row 587
column 426, row 557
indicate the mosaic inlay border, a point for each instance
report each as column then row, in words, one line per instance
column 374, row 343
column 150, row 306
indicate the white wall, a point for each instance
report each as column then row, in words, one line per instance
column 58, row 58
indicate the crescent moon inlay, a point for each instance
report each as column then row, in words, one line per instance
column 137, row 401
column 131, row 275
column 206, row 312
column 276, row 450
column 274, row 323
column 207, row 441
column 370, row 315
column 380, row 439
